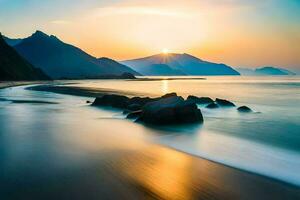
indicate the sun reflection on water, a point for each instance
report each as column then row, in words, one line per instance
column 165, row 86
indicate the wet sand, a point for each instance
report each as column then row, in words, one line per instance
column 81, row 91
column 157, row 172
column 6, row 84
column 149, row 172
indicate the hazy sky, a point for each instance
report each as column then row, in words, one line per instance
column 245, row 33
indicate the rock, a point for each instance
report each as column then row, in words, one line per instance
column 173, row 94
column 140, row 100
column 212, row 105
column 134, row 114
column 127, row 75
column 224, row 103
column 116, row 101
column 244, row 109
column 88, row 102
column 171, row 110
column 201, row 100
column 144, row 100
column 134, row 107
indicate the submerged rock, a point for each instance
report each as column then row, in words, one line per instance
column 244, row 109
column 212, row 105
column 171, row 110
column 224, row 103
column 200, row 100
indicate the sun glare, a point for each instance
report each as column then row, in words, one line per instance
column 165, row 51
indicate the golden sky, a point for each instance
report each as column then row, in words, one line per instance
column 245, row 33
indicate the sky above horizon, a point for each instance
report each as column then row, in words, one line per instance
column 240, row 33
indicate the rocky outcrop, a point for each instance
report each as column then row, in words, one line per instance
column 117, row 101
column 212, row 105
column 164, row 110
column 134, row 114
column 224, row 103
column 200, row 100
column 244, row 109
column 170, row 110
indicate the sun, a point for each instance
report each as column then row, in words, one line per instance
column 165, row 51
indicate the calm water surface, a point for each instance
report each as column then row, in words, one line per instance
column 266, row 142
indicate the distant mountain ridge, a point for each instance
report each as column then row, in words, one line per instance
column 12, row 42
column 178, row 64
column 61, row 60
column 14, row 67
column 265, row 71
column 115, row 66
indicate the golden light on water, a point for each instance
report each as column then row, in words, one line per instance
column 165, row 86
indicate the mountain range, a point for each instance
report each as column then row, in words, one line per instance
column 178, row 64
column 265, row 71
column 15, row 67
column 61, row 60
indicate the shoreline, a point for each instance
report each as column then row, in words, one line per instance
column 88, row 92
column 8, row 84
column 81, row 91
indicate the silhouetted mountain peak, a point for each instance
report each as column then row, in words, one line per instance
column 15, row 67
column 39, row 34
column 265, row 71
column 59, row 59
column 182, row 63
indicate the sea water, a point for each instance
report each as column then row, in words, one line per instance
column 265, row 142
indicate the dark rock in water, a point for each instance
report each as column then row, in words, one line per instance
column 134, row 114
column 171, row 110
column 127, row 75
column 134, row 107
column 212, row 105
column 244, row 109
column 125, row 112
column 144, row 100
column 224, row 103
column 173, row 94
column 116, row 101
column 140, row 100
column 200, row 100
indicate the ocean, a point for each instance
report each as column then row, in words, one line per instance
column 59, row 132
